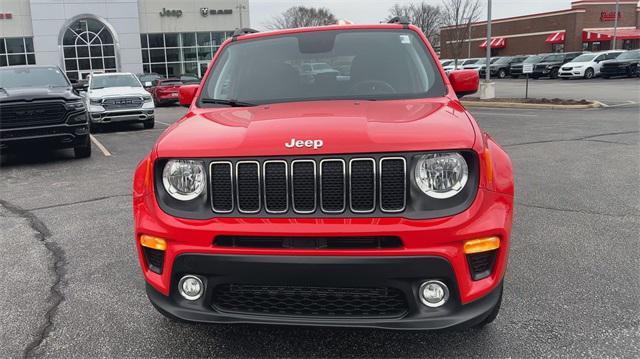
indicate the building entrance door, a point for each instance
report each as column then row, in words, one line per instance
column 88, row 46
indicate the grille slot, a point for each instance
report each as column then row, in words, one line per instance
column 221, row 187
column 319, row 302
column 155, row 259
column 393, row 184
column 276, row 186
column 303, row 186
column 481, row 264
column 32, row 114
column 121, row 103
column 248, row 186
column 362, row 185
column 332, row 186
column 309, row 186
column 378, row 242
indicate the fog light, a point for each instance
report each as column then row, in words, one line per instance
column 433, row 293
column 190, row 287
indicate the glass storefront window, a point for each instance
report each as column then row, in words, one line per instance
column 171, row 40
column 88, row 46
column 173, row 55
column 156, row 40
column 16, row 51
column 188, row 39
column 157, row 55
column 204, row 39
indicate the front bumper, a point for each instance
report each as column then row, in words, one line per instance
column 59, row 136
column 402, row 273
column 129, row 115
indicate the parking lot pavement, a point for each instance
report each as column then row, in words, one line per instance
column 617, row 91
column 571, row 288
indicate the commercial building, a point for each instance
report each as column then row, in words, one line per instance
column 169, row 37
column 587, row 25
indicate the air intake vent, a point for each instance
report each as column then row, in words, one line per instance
column 308, row 242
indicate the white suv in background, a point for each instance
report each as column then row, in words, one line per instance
column 587, row 65
column 118, row 97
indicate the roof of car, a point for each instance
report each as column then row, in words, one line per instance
column 319, row 28
column 112, row 73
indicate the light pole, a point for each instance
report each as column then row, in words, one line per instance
column 487, row 89
column 240, row 7
column 469, row 39
column 615, row 25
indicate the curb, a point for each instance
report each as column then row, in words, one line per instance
column 593, row 104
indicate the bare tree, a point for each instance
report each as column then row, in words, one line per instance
column 459, row 15
column 427, row 17
column 301, row 16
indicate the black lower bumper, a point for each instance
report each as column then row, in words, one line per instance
column 403, row 274
column 58, row 136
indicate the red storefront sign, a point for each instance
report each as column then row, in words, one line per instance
column 610, row 16
column 6, row 16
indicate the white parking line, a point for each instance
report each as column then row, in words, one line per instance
column 503, row 114
column 100, row 146
column 164, row 123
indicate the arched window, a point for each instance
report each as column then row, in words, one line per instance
column 88, row 46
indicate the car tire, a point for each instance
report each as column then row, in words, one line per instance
column 589, row 73
column 633, row 71
column 502, row 73
column 95, row 127
column 493, row 314
column 554, row 73
column 149, row 124
column 83, row 150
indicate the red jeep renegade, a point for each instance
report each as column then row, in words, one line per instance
column 326, row 176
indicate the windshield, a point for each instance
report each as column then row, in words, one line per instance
column 502, row 60
column 532, row 59
column 100, row 82
column 371, row 64
column 32, row 77
column 631, row 55
column 470, row 61
column 584, row 58
column 494, row 60
column 448, row 62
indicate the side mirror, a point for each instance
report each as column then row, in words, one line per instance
column 186, row 93
column 80, row 86
column 464, row 82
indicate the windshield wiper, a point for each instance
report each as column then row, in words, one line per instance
column 232, row 103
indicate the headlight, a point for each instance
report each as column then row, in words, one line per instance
column 79, row 118
column 184, row 180
column 95, row 101
column 441, row 175
column 77, row 105
column 147, row 98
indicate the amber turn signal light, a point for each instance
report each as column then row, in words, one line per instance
column 153, row 242
column 481, row 245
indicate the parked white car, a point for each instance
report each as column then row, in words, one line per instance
column 118, row 97
column 461, row 63
column 587, row 65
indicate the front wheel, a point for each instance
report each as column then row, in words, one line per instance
column 502, row 73
column 83, row 150
column 149, row 124
column 588, row 74
column 554, row 73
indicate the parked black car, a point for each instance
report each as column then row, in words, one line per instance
column 501, row 67
column 515, row 69
column 627, row 64
column 550, row 64
column 39, row 105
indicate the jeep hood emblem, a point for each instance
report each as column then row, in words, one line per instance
column 315, row 144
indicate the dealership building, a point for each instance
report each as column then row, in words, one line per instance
column 169, row 37
column 587, row 25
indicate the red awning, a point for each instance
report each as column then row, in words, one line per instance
column 555, row 38
column 496, row 43
column 607, row 34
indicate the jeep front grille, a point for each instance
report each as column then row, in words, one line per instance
column 309, row 186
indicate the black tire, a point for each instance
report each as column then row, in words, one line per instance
column 83, row 150
column 633, row 71
column 493, row 314
column 554, row 73
column 502, row 73
column 589, row 73
column 94, row 127
column 149, row 124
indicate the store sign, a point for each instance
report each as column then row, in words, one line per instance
column 205, row 11
column 610, row 16
column 170, row 13
column 6, row 16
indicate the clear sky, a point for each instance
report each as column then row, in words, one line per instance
column 372, row 11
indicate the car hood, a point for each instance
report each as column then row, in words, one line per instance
column 37, row 93
column 118, row 91
column 574, row 64
column 343, row 126
column 620, row 62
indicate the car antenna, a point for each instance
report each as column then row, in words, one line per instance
column 403, row 20
column 243, row 31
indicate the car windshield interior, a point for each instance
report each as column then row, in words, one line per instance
column 502, row 60
column 324, row 65
column 100, row 82
column 533, row 59
column 630, row 55
column 32, row 77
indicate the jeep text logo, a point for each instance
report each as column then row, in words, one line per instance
column 315, row 144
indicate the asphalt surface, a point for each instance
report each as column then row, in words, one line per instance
column 71, row 286
column 615, row 91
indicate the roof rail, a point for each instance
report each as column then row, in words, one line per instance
column 244, row 31
column 399, row 20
